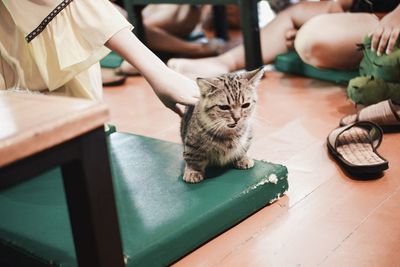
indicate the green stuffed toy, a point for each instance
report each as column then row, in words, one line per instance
column 386, row 67
column 370, row 90
column 380, row 77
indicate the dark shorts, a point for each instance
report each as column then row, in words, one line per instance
column 374, row 6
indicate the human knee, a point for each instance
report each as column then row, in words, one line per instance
column 312, row 44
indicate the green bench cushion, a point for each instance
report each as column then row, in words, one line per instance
column 161, row 217
column 291, row 63
column 111, row 61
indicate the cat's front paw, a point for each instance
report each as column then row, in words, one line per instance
column 244, row 163
column 192, row 176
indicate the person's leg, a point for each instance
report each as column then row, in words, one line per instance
column 167, row 24
column 160, row 40
column 178, row 20
column 273, row 41
column 335, row 46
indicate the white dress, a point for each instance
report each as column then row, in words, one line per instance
column 55, row 46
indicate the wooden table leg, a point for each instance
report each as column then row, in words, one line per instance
column 251, row 33
column 91, row 205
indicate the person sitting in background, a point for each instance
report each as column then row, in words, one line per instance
column 167, row 27
column 324, row 34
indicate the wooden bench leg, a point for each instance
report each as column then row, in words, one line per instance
column 251, row 33
column 220, row 23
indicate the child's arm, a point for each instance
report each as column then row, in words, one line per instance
column 171, row 87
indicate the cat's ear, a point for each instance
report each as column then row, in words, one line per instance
column 207, row 85
column 254, row 77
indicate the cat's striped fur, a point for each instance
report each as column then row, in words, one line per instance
column 218, row 130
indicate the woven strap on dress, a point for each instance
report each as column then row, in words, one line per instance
column 47, row 20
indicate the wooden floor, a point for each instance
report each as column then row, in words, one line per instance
column 326, row 219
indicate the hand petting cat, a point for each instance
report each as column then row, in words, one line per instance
column 176, row 90
column 172, row 88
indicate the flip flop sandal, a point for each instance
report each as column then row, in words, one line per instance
column 384, row 113
column 110, row 78
column 354, row 148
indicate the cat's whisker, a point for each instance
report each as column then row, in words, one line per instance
column 257, row 117
column 262, row 122
column 216, row 128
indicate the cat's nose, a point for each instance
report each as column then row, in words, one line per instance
column 235, row 114
column 236, row 119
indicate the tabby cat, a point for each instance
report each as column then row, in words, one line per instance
column 217, row 130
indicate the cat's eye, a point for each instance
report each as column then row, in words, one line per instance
column 224, row 107
column 246, row 105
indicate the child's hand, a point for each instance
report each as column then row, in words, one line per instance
column 173, row 89
column 386, row 34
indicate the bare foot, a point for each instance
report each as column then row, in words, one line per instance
column 194, row 68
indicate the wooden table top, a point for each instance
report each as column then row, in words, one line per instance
column 31, row 123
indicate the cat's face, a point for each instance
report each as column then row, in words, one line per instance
column 228, row 101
